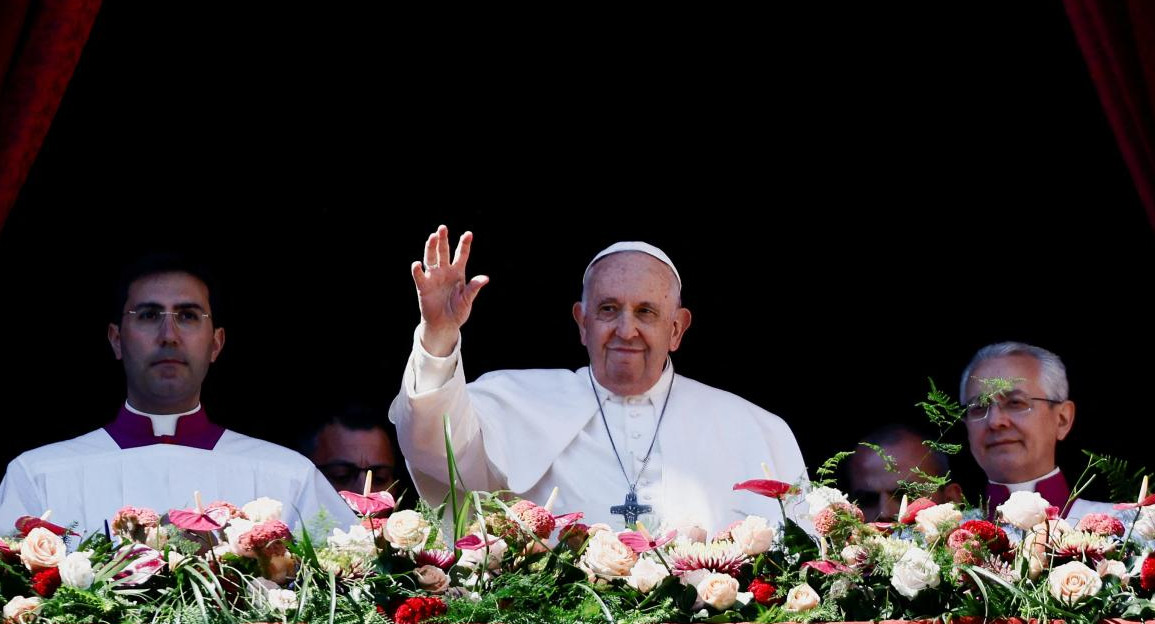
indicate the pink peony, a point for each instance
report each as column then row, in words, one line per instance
column 1101, row 524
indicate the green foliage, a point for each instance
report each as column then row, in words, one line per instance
column 829, row 469
column 942, row 410
column 82, row 607
column 943, row 447
column 1123, row 481
column 889, row 463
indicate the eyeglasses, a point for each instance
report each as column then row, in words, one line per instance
column 147, row 317
column 1016, row 407
column 349, row 474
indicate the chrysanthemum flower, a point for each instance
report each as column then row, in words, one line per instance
column 721, row 557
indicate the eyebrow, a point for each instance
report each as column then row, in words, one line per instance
column 189, row 305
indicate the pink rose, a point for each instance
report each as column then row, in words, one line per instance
column 42, row 549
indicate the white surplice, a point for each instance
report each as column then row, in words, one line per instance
column 88, row 478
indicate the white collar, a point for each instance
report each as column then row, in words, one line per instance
column 659, row 389
column 1027, row 486
column 162, row 424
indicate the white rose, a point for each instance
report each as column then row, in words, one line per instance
column 692, row 532
column 76, row 570
column 915, row 571
column 407, row 529
column 646, row 574
column 823, row 497
column 18, row 606
column 753, row 536
column 432, row 579
column 281, row 600
column 1024, row 510
column 358, row 541
column 932, row 521
column 42, row 549
column 1071, row 582
column 1145, row 525
column 606, row 555
column 801, row 598
column 495, row 551
column 854, row 555
column 262, row 509
column 1110, row 567
column 718, row 590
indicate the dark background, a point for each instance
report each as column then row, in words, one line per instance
column 857, row 200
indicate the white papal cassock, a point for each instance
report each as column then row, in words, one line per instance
column 530, row 430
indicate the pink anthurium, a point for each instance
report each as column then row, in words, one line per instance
column 767, row 487
column 369, row 503
column 565, row 520
column 826, row 567
column 196, row 519
column 372, row 504
column 641, row 541
column 473, row 542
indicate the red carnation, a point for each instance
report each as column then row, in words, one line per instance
column 993, row 536
column 1147, row 573
column 413, row 610
column 46, row 581
column 763, row 592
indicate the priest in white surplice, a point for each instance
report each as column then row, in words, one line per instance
column 627, row 426
column 161, row 447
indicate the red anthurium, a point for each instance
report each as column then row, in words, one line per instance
column 767, row 487
column 826, row 567
column 915, row 507
column 372, row 504
column 641, row 541
column 25, row 524
column 1150, row 500
column 472, row 542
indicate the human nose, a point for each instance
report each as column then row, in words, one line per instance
column 997, row 418
column 627, row 327
column 168, row 330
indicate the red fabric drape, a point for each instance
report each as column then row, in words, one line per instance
column 1117, row 38
column 40, row 43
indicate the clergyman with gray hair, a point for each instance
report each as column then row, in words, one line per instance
column 1018, row 409
column 622, row 439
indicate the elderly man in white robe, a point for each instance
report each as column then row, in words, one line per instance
column 623, row 439
column 161, row 447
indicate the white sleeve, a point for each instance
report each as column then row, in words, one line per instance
column 419, row 411
column 19, row 495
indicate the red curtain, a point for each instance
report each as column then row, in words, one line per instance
column 40, row 43
column 1117, row 38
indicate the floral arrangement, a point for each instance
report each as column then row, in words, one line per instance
column 498, row 559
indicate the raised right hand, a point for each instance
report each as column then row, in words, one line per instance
column 443, row 294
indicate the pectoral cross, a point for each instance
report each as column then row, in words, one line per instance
column 630, row 510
